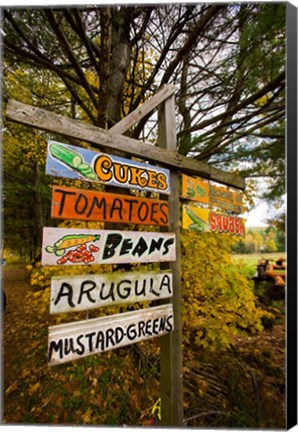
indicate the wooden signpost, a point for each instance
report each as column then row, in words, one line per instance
column 78, row 163
column 70, row 203
column 73, row 246
column 200, row 190
column 84, row 292
column 201, row 219
column 66, row 246
column 79, row 339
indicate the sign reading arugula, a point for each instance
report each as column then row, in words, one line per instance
column 67, row 246
column 78, row 163
column 79, row 339
column 70, row 203
column 197, row 189
column 201, row 219
column 84, row 292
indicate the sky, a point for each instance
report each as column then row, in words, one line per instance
column 262, row 211
column 258, row 215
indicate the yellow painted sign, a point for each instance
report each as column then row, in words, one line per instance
column 202, row 219
column 197, row 189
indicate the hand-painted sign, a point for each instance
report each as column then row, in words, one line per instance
column 79, row 339
column 201, row 219
column 83, row 292
column 197, row 189
column 66, row 246
column 69, row 203
column 79, row 163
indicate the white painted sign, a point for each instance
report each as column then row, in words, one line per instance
column 68, row 246
column 83, row 292
column 79, row 339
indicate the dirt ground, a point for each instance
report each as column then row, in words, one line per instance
column 262, row 360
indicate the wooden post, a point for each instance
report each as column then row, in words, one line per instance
column 171, row 344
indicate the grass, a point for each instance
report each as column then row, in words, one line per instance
column 248, row 262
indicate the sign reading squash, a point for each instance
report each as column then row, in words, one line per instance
column 201, row 219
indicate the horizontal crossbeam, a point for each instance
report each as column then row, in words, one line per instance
column 101, row 138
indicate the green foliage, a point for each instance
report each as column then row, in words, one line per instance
column 261, row 240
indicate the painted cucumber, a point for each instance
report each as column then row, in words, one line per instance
column 197, row 220
column 86, row 170
column 65, row 155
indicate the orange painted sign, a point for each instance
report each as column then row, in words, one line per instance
column 197, row 189
column 202, row 219
column 70, row 203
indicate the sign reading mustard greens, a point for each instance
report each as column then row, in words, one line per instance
column 79, row 339
column 72, row 162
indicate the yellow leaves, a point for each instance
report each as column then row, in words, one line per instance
column 13, row 387
column 33, row 388
column 86, row 418
column 216, row 297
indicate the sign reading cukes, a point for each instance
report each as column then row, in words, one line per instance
column 78, row 163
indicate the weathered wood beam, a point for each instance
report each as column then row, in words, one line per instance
column 65, row 126
column 171, row 377
column 148, row 106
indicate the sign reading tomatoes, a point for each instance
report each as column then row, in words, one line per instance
column 70, row 203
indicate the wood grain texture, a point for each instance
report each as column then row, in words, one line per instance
column 148, row 106
column 58, row 124
column 171, row 344
column 92, row 291
column 71, row 341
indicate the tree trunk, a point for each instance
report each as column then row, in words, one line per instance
column 38, row 223
column 120, row 52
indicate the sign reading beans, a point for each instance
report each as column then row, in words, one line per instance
column 67, row 246
column 69, row 203
column 78, row 163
